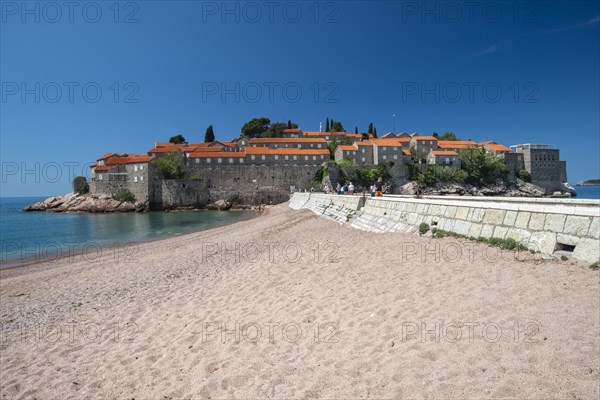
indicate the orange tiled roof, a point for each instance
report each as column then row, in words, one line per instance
column 292, row 130
column 101, row 168
column 365, row 143
column 207, row 150
column 105, row 156
column 347, row 148
column 423, row 137
column 389, row 142
column 353, row 135
column 406, row 152
column 218, row 154
column 323, row 133
column 287, row 140
column 444, row 153
column 128, row 159
column 280, row 151
column 498, row 147
column 163, row 150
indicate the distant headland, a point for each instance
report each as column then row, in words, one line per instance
column 590, row 182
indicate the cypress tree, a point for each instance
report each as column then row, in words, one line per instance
column 375, row 133
column 209, row 136
column 356, row 129
column 370, row 131
column 289, row 124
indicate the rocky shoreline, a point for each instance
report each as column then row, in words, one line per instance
column 103, row 203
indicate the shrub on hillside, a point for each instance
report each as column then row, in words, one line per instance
column 124, row 195
column 524, row 175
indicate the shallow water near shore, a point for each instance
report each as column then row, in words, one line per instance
column 34, row 236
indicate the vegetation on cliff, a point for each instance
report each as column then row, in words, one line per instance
column 169, row 166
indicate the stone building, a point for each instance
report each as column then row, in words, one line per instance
column 115, row 172
column 422, row 146
column 447, row 158
column 543, row 162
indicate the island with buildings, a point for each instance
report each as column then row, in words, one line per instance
column 250, row 171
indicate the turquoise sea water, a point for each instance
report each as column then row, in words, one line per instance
column 31, row 236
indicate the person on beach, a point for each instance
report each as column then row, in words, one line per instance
column 379, row 187
column 351, row 189
column 345, row 189
column 338, row 189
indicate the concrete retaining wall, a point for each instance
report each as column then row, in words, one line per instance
column 337, row 208
column 544, row 225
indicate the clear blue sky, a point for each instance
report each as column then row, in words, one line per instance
column 505, row 71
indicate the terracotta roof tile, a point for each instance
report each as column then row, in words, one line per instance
column 287, row 140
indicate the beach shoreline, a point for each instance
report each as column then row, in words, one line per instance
column 290, row 305
column 42, row 262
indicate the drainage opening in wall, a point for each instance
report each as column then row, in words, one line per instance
column 564, row 248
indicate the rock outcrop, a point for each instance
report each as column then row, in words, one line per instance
column 72, row 202
column 521, row 189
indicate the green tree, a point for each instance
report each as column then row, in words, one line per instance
column 289, row 124
column 275, row 130
column 375, row 132
column 80, row 185
column 177, row 139
column 436, row 135
column 370, row 130
column 355, row 129
column 209, row 136
column 256, row 127
column 336, row 126
column 448, row 136
column 327, row 125
column 170, row 166
column 482, row 168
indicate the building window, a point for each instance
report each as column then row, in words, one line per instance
column 322, row 156
column 314, row 158
column 241, row 160
column 141, row 167
column 286, row 157
column 135, row 179
column 384, row 148
column 219, row 160
column 311, row 145
column 363, row 150
column 384, row 157
column 363, row 159
column 231, row 161
column 305, row 158
column 276, row 157
column 252, row 157
column 100, row 176
column 263, row 157
column 319, row 146
column 197, row 161
column 295, row 157
column 208, row 160
column 135, row 168
column 141, row 178
column 395, row 156
column 299, row 146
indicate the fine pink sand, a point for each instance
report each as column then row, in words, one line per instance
column 292, row 306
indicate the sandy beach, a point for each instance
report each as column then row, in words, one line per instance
column 291, row 306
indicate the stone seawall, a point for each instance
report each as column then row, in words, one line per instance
column 338, row 208
column 543, row 225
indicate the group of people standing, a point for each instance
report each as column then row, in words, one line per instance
column 376, row 189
